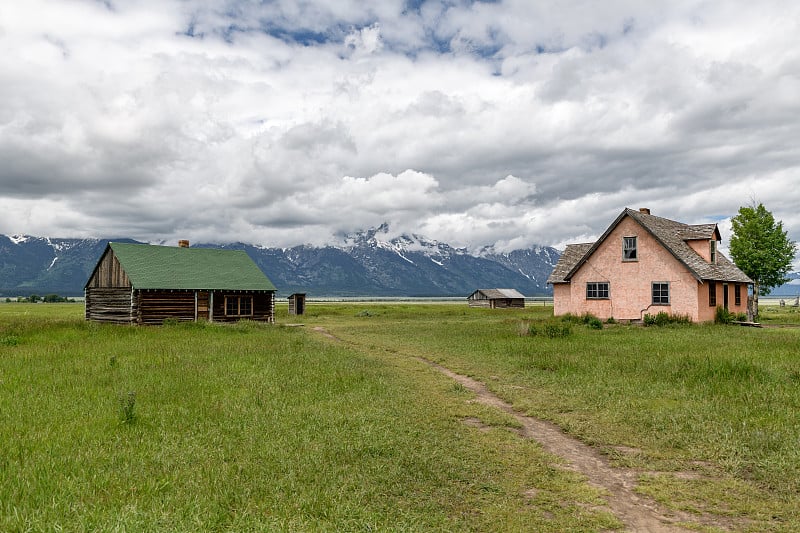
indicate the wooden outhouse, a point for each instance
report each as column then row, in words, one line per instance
column 297, row 303
column 145, row 284
column 496, row 298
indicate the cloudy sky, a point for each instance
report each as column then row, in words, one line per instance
column 276, row 122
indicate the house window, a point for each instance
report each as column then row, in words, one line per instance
column 737, row 294
column 712, row 293
column 239, row 305
column 660, row 293
column 713, row 251
column 597, row 290
column 629, row 249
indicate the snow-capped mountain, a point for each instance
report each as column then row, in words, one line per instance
column 365, row 263
column 44, row 265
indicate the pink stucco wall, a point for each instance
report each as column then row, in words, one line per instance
column 707, row 311
column 561, row 299
column 630, row 287
column 702, row 247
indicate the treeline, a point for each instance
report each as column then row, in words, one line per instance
column 35, row 298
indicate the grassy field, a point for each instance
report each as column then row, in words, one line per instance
column 269, row 428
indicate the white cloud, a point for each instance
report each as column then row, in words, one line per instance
column 478, row 123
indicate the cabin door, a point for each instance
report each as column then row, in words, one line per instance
column 725, row 296
column 201, row 311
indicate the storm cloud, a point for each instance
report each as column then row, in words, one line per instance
column 504, row 123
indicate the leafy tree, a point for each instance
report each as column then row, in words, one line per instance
column 761, row 249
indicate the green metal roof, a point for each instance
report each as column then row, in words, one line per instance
column 167, row 267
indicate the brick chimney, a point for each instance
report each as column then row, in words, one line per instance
column 183, row 243
column 644, row 210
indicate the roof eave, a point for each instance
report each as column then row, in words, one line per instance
column 595, row 246
column 627, row 212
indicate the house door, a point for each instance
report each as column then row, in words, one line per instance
column 725, row 295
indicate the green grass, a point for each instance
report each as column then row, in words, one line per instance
column 718, row 405
column 253, row 427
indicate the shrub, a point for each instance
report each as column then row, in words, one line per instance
column 570, row 318
column 587, row 319
column 9, row 340
column 663, row 319
column 611, row 320
column 594, row 323
column 723, row 316
column 127, row 405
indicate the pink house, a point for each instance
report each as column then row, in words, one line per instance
column 644, row 264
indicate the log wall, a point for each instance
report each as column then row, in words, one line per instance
column 110, row 305
column 154, row 307
column 497, row 303
column 263, row 306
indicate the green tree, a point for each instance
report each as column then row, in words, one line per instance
column 761, row 249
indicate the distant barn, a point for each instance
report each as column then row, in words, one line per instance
column 496, row 298
column 144, row 284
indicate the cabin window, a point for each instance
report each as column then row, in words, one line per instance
column 239, row 305
column 737, row 294
column 712, row 293
column 713, row 251
column 629, row 252
column 660, row 293
column 597, row 290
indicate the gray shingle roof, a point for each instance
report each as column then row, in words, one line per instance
column 572, row 254
column 672, row 235
column 499, row 293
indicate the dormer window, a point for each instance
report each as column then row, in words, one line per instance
column 629, row 251
column 713, row 251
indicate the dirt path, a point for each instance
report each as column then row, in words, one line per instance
column 637, row 512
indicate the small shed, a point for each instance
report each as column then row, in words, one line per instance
column 297, row 303
column 496, row 298
column 145, row 284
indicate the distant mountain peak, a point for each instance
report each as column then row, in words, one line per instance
column 372, row 262
column 19, row 239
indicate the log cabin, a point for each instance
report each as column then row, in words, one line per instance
column 145, row 284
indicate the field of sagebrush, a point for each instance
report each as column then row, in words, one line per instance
column 256, row 427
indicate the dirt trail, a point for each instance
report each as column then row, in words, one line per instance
column 637, row 512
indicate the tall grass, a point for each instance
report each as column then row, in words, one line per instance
column 251, row 427
column 719, row 401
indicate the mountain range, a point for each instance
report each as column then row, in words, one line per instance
column 366, row 263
